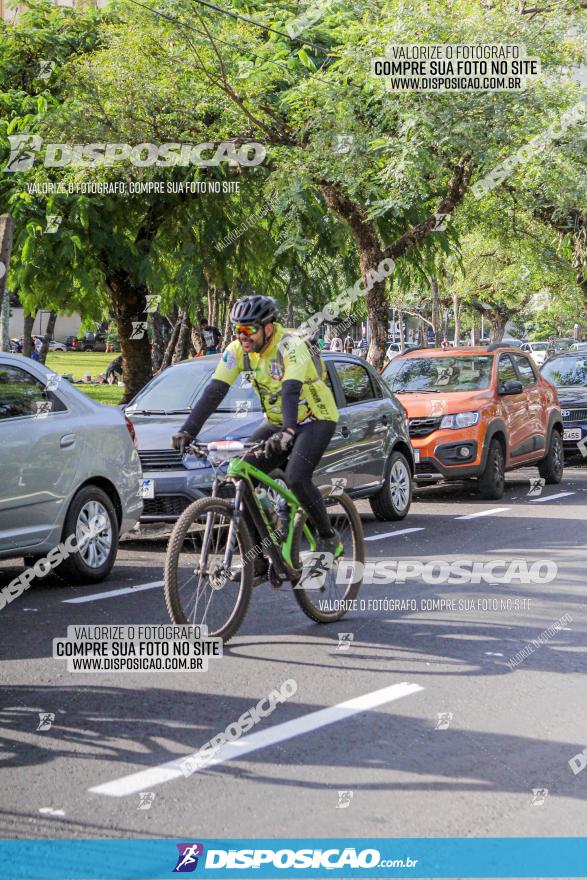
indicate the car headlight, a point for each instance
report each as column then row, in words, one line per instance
column 460, row 420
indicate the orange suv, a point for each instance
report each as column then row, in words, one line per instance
column 478, row 412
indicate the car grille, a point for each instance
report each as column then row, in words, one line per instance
column 423, row 427
column 574, row 415
column 160, row 459
column 165, row 505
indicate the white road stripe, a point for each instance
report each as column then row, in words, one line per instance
column 393, row 534
column 551, row 497
column 483, row 513
column 95, row 597
column 145, row 779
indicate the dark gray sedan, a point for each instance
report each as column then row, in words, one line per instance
column 370, row 450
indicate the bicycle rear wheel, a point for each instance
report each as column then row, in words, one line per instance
column 342, row 582
column 196, row 589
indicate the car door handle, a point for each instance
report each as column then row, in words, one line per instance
column 67, row 440
column 345, row 431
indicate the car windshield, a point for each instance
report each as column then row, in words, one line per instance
column 566, row 371
column 539, row 346
column 429, row 374
column 179, row 387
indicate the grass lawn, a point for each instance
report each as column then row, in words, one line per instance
column 82, row 362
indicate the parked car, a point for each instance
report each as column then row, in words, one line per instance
column 88, row 342
column 578, row 346
column 64, row 460
column 538, row 350
column 53, row 345
column 568, row 373
column 477, row 412
column 395, row 348
column 370, row 450
column 562, row 343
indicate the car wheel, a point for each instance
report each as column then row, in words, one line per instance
column 392, row 502
column 491, row 483
column 552, row 465
column 90, row 513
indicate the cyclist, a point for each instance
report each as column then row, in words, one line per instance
column 300, row 411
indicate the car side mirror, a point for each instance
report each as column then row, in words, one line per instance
column 512, row 386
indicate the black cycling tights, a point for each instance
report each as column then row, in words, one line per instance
column 310, row 444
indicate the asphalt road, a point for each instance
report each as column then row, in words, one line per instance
column 459, row 754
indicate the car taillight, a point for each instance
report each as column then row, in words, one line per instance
column 131, row 431
column 74, row 343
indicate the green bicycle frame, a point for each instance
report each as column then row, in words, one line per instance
column 243, row 470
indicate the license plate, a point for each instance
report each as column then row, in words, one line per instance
column 148, row 489
column 417, row 456
column 572, row 434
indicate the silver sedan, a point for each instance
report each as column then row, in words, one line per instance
column 68, row 470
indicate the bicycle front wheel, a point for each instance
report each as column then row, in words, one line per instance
column 197, row 589
column 342, row 583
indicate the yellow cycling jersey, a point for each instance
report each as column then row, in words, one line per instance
column 287, row 357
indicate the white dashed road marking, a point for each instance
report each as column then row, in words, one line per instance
column 483, row 513
column 95, row 597
column 145, row 779
column 551, row 497
column 393, row 534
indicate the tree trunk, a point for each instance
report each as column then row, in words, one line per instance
column 161, row 331
column 436, row 313
column 168, row 356
column 497, row 321
column 49, row 330
column 371, row 254
column 402, row 337
column 129, row 301
column 227, row 331
column 184, row 339
column 456, row 305
column 29, row 323
column 6, row 238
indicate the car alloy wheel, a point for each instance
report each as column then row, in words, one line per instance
column 399, row 485
column 94, row 534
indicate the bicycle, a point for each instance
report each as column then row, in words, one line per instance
column 211, row 582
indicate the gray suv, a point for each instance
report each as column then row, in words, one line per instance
column 68, row 467
column 370, row 449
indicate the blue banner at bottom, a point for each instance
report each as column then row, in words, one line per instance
column 313, row 858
